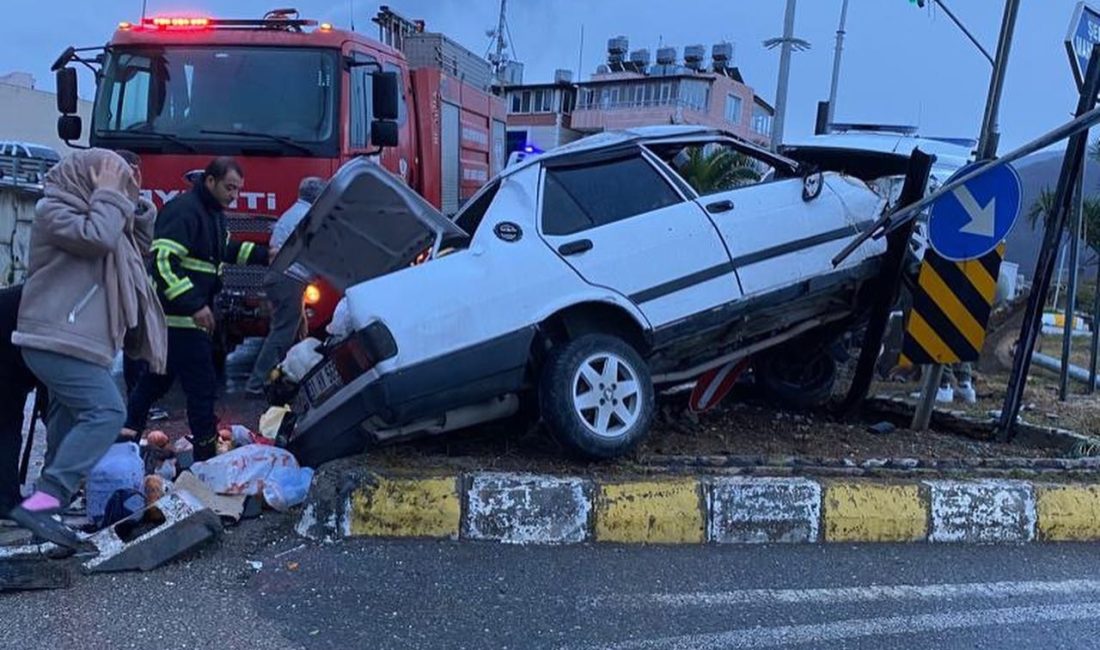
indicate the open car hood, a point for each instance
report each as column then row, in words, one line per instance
column 366, row 223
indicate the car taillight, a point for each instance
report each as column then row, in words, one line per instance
column 312, row 295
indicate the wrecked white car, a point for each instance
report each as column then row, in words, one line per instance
column 574, row 283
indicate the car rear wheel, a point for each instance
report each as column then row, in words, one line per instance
column 794, row 380
column 596, row 396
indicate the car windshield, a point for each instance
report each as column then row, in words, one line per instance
column 218, row 94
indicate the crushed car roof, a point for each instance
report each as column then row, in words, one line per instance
column 608, row 139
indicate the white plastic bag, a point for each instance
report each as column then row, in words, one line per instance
column 243, row 470
column 287, row 487
column 301, row 358
column 340, row 325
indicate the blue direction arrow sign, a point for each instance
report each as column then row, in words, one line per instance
column 972, row 220
column 1084, row 32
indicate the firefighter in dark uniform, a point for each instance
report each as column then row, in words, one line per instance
column 190, row 247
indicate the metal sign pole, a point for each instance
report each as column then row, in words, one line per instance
column 1093, row 348
column 1044, row 267
column 1071, row 289
column 987, row 148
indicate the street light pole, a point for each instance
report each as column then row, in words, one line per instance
column 987, row 142
column 784, row 75
column 836, row 64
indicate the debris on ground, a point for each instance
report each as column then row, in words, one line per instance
column 28, row 574
column 134, row 544
column 882, row 428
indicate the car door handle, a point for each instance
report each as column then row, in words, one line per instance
column 720, row 206
column 575, row 247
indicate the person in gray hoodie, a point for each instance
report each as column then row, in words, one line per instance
column 87, row 296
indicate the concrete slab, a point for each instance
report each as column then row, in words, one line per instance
column 651, row 512
column 763, row 510
column 528, row 509
column 415, row 507
column 982, row 511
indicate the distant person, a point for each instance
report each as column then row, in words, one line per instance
column 191, row 245
column 87, row 297
column 285, row 291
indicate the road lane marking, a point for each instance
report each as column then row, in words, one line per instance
column 822, row 633
column 852, row 594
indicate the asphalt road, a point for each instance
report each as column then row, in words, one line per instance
column 371, row 594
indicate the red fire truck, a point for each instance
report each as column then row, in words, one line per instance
column 289, row 98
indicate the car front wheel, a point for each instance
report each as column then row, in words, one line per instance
column 596, row 396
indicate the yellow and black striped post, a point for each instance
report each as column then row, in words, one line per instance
column 951, row 306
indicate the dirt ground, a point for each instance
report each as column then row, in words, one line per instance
column 1079, row 413
column 742, row 425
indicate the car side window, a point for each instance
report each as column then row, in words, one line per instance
column 590, row 195
column 712, row 168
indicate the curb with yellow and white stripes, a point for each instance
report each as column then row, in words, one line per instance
column 543, row 509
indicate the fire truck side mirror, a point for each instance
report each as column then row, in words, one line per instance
column 69, row 128
column 383, row 133
column 386, row 95
column 66, row 91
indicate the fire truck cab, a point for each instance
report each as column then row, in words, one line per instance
column 289, row 98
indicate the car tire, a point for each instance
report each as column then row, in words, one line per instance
column 597, row 410
column 787, row 377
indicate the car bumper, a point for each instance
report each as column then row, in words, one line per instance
column 406, row 395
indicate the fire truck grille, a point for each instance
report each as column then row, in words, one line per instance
column 249, row 223
column 246, row 280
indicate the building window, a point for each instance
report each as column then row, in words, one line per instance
column 733, row 109
column 525, row 102
column 515, row 102
column 761, row 121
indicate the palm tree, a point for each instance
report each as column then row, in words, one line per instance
column 1044, row 205
column 718, row 169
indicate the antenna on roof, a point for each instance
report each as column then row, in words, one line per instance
column 351, row 13
column 143, row 3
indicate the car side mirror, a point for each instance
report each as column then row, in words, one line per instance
column 69, row 128
column 384, row 133
column 385, row 96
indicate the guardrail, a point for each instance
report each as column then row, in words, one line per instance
column 23, row 173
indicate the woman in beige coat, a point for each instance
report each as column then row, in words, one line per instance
column 86, row 297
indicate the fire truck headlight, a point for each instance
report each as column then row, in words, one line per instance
column 312, row 294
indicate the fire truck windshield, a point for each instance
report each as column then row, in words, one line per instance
column 201, row 98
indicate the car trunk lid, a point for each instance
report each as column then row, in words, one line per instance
column 366, row 223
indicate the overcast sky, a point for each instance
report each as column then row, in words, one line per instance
column 901, row 64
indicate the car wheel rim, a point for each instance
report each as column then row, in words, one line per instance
column 607, row 396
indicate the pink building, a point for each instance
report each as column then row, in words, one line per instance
column 628, row 93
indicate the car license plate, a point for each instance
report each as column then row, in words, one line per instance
column 323, row 382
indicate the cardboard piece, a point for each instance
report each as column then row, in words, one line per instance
column 229, row 507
